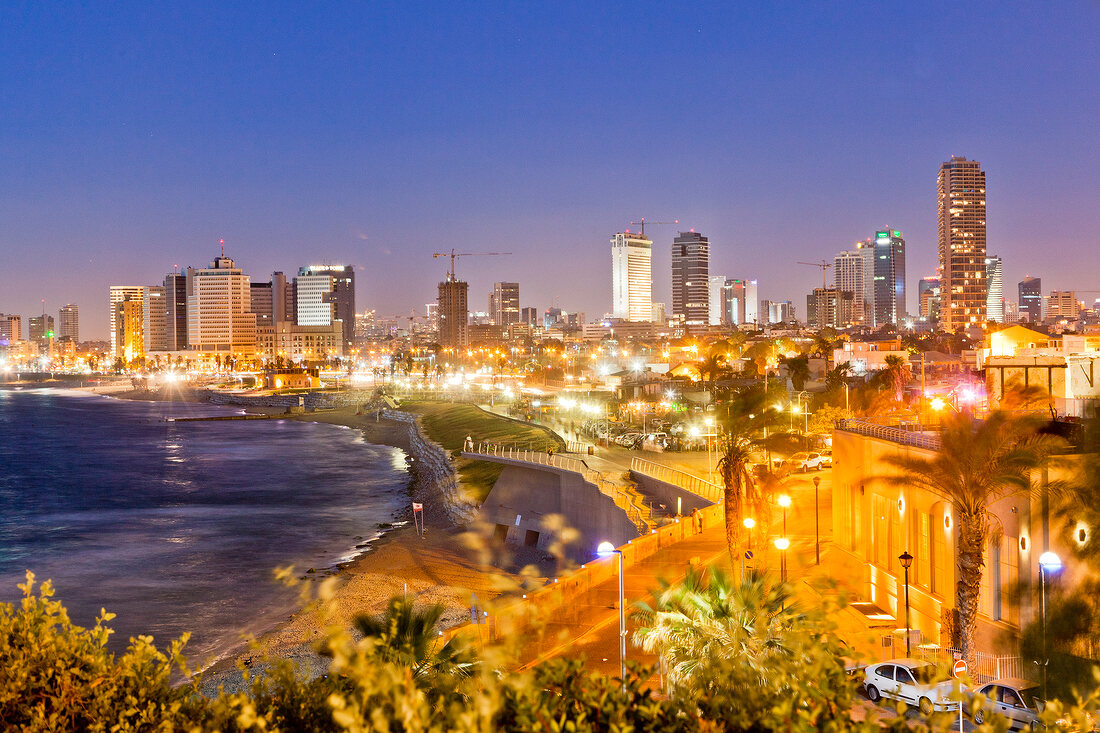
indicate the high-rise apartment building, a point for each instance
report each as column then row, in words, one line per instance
column 175, row 311
column 324, row 294
column 1062, row 305
column 1031, row 299
column 657, row 314
column 41, row 328
column 631, row 277
column 11, row 328
column 119, row 294
column 154, row 318
column 962, row 245
column 453, row 313
column 994, row 278
column 504, row 303
column 690, row 279
column 853, row 272
column 68, row 322
column 529, row 315
column 829, row 308
column 714, row 295
column 219, row 316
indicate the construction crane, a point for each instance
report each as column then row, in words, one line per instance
column 452, row 254
column 643, row 222
column 824, row 265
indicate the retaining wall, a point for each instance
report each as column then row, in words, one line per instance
column 525, row 614
column 669, row 493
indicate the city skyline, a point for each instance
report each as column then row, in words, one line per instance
column 130, row 146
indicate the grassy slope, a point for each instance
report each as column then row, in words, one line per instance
column 449, row 424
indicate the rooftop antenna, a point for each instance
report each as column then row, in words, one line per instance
column 221, row 242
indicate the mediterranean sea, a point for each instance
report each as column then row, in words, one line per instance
column 178, row 526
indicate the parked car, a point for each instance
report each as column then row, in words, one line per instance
column 826, row 458
column 803, row 462
column 1014, row 698
column 910, row 680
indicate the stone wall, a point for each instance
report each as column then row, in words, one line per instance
column 312, row 400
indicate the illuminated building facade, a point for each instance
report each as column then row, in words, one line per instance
column 220, row 320
column 631, row 277
column 995, row 300
column 962, row 245
column 504, row 303
column 119, row 294
column 690, row 279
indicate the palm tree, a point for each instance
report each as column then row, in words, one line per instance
column 406, row 636
column 897, row 375
column 979, row 462
column 740, row 489
column 707, row 617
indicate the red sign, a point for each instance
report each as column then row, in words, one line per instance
column 958, row 669
column 417, row 507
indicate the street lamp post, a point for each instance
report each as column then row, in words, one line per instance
column 784, row 501
column 781, row 544
column 906, row 562
column 604, row 550
column 1048, row 563
column 817, row 522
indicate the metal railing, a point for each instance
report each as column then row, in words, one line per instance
column 636, row 511
column 894, row 435
column 986, row 666
column 686, row 481
column 576, row 446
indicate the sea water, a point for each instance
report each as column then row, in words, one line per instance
column 178, row 525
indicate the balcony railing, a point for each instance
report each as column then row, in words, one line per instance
column 916, row 439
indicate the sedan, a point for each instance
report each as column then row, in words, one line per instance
column 827, row 458
column 803, row 462
column 911, row 681
column 1015, row 699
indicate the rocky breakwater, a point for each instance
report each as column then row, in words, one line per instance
column 435, row 484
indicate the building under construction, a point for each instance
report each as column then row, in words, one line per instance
column 453, row 313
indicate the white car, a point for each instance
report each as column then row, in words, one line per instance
column 827, row 458
column 910, row 680
column 803, row 462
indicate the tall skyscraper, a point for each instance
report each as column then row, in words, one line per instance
column 690, row 279
column 262, row 303
column 631, row 277
column 529, row 315
column 219, row 316
column 119, row 294
column 324, row 293
column 175, row 311
column 962, row 245
column 889, row 277
column 994, row 278
column 68, row 322
column 1031, row 299
column 454, row 312
column 504, row 303
column 829, row 307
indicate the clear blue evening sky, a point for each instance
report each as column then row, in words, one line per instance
column 134, row 135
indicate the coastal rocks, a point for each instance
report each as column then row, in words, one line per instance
column 432, row 467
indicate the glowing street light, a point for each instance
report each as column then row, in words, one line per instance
column 606, row 549
column 785, row 502
column 782, row 544
column 1048, row 563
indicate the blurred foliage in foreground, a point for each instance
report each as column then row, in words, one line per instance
column 57, row 676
